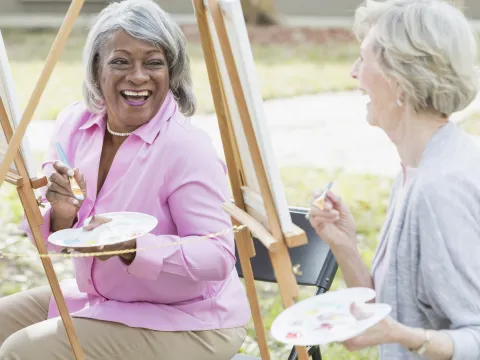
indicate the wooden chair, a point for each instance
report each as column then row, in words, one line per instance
column 317, row 265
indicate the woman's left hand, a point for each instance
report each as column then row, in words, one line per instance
column 127, row 258
column 381, row 333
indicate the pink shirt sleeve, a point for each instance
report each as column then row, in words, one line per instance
column 198, row 188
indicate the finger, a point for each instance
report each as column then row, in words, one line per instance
column 358, row 312
column 62, row 169
column 54, row 197
column 319, row 224
column 327, row 204
column 61, row 181
column 351, row 345
column 84, row 250
column 335, row 199
column 91, row 226
column 328, row 213
column 96, row 222
column 325, row 219
column 56, row 188
column 104, row 257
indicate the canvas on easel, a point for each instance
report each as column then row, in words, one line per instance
column 243, row 97
column 16, row 163
column 259, row 198
column 9, row 97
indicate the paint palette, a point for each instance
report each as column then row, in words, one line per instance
column 326, row 318
column 123, row 227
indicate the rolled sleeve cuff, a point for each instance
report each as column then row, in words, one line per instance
column 148, row 263
column 466, row 344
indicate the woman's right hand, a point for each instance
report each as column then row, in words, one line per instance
column 334, row 223
column 64, row 206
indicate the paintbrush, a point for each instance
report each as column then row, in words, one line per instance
column 77, row 192
column 320, row 201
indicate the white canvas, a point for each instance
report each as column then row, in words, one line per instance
column 240, row 44
column 9, row 98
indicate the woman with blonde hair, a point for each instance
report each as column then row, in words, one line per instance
column 418, row 66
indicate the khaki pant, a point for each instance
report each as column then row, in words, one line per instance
column 25, row 334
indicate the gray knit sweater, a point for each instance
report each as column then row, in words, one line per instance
column 433, row 278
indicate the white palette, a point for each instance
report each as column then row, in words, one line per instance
column 123, row 227
column 326, row 318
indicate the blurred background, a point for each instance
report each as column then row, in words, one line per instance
column 303, row 51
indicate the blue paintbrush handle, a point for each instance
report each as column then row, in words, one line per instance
column 62, row 155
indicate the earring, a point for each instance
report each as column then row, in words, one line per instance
column 399, row 102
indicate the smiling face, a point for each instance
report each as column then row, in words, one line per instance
column 133, row 77
column 383, row 109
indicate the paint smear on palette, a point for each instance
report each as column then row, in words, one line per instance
column 297, row 323
column 91, row 242
column 71, row 241
column 293, row 335
column 325, row 326
column 333, row 317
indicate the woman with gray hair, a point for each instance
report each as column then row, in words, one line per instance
column 418, row 66
column 133, row 148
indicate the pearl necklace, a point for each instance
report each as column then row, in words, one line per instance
column 116, row 133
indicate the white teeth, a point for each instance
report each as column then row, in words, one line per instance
column 135, row 93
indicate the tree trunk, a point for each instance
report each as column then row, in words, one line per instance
column 260, row 12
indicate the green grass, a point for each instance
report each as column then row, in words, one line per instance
column 366, row 196
column 472, row 124
column 283, row 71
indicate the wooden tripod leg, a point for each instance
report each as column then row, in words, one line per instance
column 242, row 239
column 28, row 200
column 53, row 56
column 34, row 218
column 282, row 267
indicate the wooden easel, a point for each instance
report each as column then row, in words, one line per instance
column 267, row 229
column 26, row 185
column 270, row 235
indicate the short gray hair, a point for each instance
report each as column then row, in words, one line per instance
column 144, row 20
column 428, row 47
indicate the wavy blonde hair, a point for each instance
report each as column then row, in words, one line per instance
column 427, row 47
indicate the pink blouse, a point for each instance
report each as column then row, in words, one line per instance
column 169, row 169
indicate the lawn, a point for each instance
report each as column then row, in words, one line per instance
column 283, row 70
column 472, row 124
column 366, row 195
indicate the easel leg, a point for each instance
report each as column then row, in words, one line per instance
column 282, row 266
column 30, row 207
column 242, row 239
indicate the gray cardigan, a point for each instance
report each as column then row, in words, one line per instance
column 433, row 279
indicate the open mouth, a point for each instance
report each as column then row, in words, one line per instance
column 136, row 98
